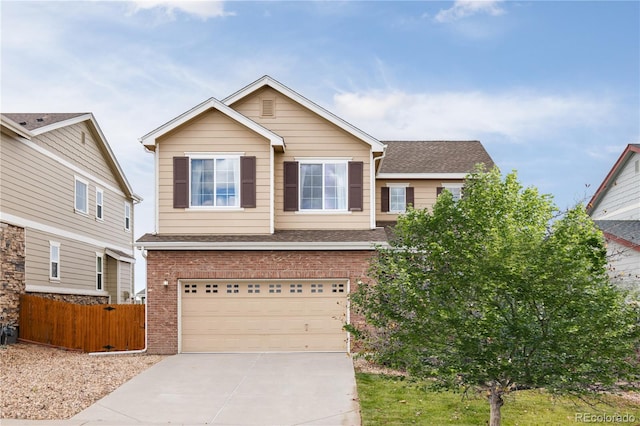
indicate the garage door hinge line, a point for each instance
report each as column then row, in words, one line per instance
column 251, row 367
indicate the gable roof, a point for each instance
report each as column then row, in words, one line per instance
column 149, row 140
column 376, row 145
column 612, row 176
column 624, row 232
column 432, row 159
column 30, row 125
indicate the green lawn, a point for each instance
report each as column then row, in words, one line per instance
column 388, row 400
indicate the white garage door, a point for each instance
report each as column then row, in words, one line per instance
column 263, row 316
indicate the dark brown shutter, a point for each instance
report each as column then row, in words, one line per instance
column 248, row 182
column 355, row 186
column 290, row 186
column 384, row 198
column 439, row 190
column 180, row 182
column 409, row 195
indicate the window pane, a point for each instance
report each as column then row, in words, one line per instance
column 311, row 179
column 227, row 181
column 397, row 199
column 335, row 186
column 81, row 196
column 202, row 182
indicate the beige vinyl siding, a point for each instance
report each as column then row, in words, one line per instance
column 67, row 142
column 425, row 194
column 77, row 262
column 213, row 132
column 37, row 188
column 111, row 277
column 308, row 135
column 126, row 287
column 622, row 199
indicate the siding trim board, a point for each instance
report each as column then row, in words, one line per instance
column 33, row 288
column 26, row 223
column 262, row 246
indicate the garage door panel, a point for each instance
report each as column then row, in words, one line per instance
column 265, row 316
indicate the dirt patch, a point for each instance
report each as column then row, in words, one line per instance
column 42, row 383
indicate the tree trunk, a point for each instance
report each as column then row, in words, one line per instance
column 495, row 401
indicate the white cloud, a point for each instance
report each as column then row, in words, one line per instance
column 465, row 8
column 203, row 9
column 513, row 116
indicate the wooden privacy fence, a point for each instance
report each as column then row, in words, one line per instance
column 89, row 328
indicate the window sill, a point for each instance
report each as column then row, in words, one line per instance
column 81, row 212
column 214, row 209
column 323, row 212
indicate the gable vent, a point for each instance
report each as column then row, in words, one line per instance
column 268, row 108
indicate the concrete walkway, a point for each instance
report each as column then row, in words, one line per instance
column 231, row 389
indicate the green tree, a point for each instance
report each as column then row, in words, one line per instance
column 495, row 292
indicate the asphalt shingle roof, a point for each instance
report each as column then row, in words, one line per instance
column 377, row 235
column 628, row 230
column 433, row 157
column 35, row 120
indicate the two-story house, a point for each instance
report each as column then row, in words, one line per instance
column 615, row 208
column 66, row 213
column 266, row 219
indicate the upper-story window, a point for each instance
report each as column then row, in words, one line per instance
column 323, row 186
column 454, row 188
column 127, row 216
column 215, row 182
column 397, row 199
column 81, row 195
column 99, row 204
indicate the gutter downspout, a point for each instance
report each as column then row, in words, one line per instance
column 146, row 322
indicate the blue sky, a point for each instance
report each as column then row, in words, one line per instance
column 552, row 89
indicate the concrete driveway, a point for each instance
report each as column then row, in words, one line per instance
column 235, row 389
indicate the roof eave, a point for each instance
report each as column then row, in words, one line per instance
column 15, row 128
column 260, row 246
column 376, row 145
column 421, row 175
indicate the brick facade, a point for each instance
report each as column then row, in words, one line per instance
column 12, row 279
column 162, row 302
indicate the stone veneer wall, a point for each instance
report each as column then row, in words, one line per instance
column 73, row 298
column 12, row 279
column 162, row 302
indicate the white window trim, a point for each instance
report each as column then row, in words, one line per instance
column 322, row 161
column 127, row 209
column 75, row 195
column 101, row 204
column 101, row 272
column 216, row 156
column 51, row 245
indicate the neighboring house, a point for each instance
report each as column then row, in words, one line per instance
column 141, row 296
column 266, row 219
column 615, row 207
column 66, row 213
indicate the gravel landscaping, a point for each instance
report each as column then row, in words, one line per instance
column 42, row 383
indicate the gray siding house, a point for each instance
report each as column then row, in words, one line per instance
column 66, row 213
column 615, row 207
